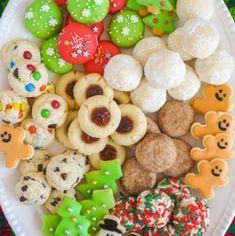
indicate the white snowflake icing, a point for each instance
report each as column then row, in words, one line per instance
column 29, row 15
column 86, row 12
column 74, row 54
column 61, row 62
column 50, row 51
column 86, row 54
column 125, row 31
column 107, row 55
column 120, row 19
column 53, row 22
column 98, row 2
column 45, row 8
column 80, row 46
column 95, row 29
column 134, row 19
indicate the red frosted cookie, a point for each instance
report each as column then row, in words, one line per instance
column 105, row 51
column 116, row 5
column 61, row 2
column 77, row 43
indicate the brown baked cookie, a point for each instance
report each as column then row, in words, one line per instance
column 135, row 179
column 156, row 152
column 175, row 118
column 183, row 162
column 152, row 126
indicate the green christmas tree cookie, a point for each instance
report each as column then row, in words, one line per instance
column 96, row 208
column 141, row 9
column 49, row 224
column 110, row 171
column 155, row 6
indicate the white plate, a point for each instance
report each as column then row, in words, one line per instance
column 26, row 221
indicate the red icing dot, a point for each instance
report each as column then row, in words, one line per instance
column 43, row 87
column 170, row 13
column 20, row 114
column 31, row 67
column 162, row 3
column 55, row 104
column 155, row 20
column 27, row 55
column 8, row 106
column 50, row 130
column 32, row 129
column 166, row 22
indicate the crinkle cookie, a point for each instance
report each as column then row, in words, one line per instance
column 152, row 126
column 38, row 163
column 123, row 72
column 82, row 142
column 13, row 108
column 39, row 136
column 28, row 79
column 20, row 50
column 216, row 69
column 121, row 97
column 91, row 85
column 32, row 189
column 99, row 116
column 65, row 171
column 133, row 126
column 50, row 110
column 147, row 98
column 56, row 198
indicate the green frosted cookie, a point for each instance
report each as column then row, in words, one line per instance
column 133, row 5
column 126, row 29
column 43, row 18
column 49, row 224
column 88, row 11
column 52, row 59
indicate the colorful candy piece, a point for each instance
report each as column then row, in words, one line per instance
column 155, row 6
column 216, row 98
column 211, row 174
column 49, row 224
column 105, row 178
column 141, row 9
column 97, row 207
column 219, row 146
column 116, row 5
column 12, row 144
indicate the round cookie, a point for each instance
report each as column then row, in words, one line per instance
column 99, row 116
column 147, row 98
column 38, row 163
column 188, row 88
column 110, row 152
column 91, row 85
column 183, row 163
column 28, row 79
column 156, row 152
column 32, row 189
column 164, row 69
column 105, row 51
column 135, row 178
column 216, row 69
column 82, row 142
column 123, row 73
column 116, row 5
column 126, row 29
column 152, row 126
column 200, row 38
column 146, row 46
column 50, row 110
column 43, row 18
column 20, row 50
column 37, row 135
column 62, row 131
column 65, row 171
column 61, row 2
column 88, row 11
column 121, row 97
column 51, row 57
column 65, row 85
column 56, row 198
column 77, row 43
column 13, row 108
column 175, row 118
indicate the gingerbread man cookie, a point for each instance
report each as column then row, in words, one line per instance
column 219, row 146
column 215, row 124
column 216, row 98
column 211, row 174
column 12, row 144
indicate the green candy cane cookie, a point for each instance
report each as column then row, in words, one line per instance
column 43, row 18
column 126, row 29
column 88, row 11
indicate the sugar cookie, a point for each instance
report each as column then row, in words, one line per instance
column 121, row 97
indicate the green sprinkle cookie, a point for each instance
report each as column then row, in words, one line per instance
column 43, row 18
column 52, row 59
column 126, row 29
column 88, row 11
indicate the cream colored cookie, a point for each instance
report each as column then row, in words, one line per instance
column 111, row 151
column 152, row 126
column 91, row 85
column 121, row 97
column 132, row 127
column 82, row 142
column 99, row 116
column 65, row 85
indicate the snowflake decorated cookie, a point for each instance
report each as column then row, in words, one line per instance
column 126, row 29
column 116, row 5
column 43, row 18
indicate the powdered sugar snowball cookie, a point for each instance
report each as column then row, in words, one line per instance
column 146, row 46
column 216, row 69
column 32, row 189
column 13, row 108
column 174, row 43
column 39, row 136
column 188, row 88
column 200, row 38
column 147, row 98
column 191, row 9
column 164, row 69
column 123, row 73
column 50, row 110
